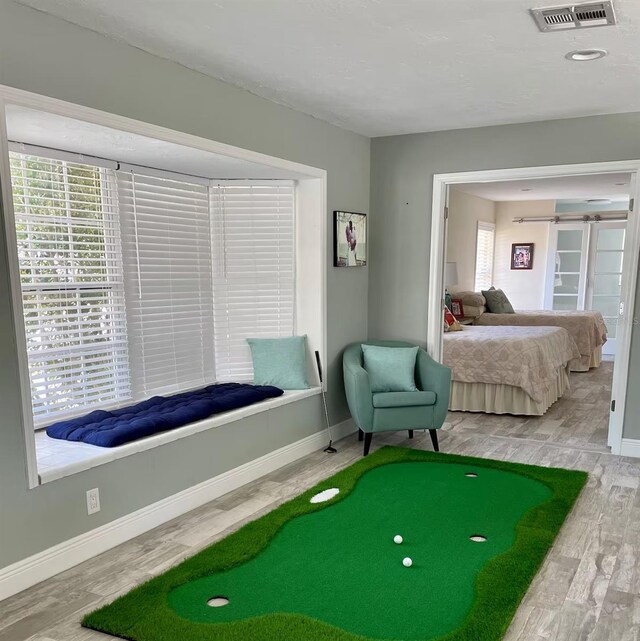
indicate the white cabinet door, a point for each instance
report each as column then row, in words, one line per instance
column 567, row 267
column 604, row 284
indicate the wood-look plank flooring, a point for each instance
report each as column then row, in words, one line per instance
column 587, row 590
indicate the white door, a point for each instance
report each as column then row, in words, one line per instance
column 604, row 282
column 567, row 267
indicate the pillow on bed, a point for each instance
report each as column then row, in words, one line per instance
column 474, row 311
column 497, row 302
column 451, row 323
column 390, row 369
column 471, row 299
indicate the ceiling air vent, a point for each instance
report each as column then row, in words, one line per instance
column 575, row 16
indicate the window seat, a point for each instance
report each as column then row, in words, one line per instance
column 57, row 458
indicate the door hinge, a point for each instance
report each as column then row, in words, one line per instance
column 613, row 406
column 446, row 213
column 632, row 202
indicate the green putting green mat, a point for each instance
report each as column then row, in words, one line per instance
column 476, row 531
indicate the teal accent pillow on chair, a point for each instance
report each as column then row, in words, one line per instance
column 281, row 362
column 390, row 369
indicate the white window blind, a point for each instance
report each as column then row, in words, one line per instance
column 72, row 285
column 136, row 284
column 166, row 246
column 254, row 267
column 485, row 241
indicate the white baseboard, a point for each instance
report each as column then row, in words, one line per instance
column 630, row 447
column 23, row 574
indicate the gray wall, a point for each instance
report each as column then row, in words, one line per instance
column 402, row 169
column 48, row 56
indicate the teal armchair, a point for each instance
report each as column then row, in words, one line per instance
column 425, row 409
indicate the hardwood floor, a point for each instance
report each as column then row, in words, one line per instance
column 587, row 590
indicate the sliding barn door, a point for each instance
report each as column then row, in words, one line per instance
column 567, row 267
column 604, row 288
column 585, row 271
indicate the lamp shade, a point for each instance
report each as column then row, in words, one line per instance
column 450, row 274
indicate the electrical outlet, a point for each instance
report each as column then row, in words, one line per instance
column 93, row 501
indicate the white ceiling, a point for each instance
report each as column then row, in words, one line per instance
column 578, row 188
column 384, row 67
column 59, row 132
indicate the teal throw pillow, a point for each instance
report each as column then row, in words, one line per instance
column 281, row 362
column 497, row 302
column 390, row 369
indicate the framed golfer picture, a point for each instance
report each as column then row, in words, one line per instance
column 349, row 239
column 522, row 256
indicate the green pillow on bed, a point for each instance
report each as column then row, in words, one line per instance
column 497, row 302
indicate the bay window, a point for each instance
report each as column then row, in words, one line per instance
column 138, row 283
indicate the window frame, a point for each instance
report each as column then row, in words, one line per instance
column 117, row 189
column 311, row 211
column 484, row 227
column 115, row 281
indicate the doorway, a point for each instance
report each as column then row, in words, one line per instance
column 608, row 282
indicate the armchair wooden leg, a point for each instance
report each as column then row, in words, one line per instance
column 434, row 439
column 410, row 433
column 360, row 435
column 367, row 442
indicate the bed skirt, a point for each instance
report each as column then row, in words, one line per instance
column 587, row 362
column 505, row 399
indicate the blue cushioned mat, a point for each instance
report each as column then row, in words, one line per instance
column 159, row 414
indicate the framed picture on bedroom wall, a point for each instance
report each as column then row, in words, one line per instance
column 522, row 256
column 349, row 239
column 456, row 307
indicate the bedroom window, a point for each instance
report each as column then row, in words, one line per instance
column 139, row 283
column 485, row 241
column 72, row 285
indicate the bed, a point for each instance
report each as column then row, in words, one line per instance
column 508, row 370
column 587, row 329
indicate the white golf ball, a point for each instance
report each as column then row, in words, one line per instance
column 407, row 562
column 397, row 539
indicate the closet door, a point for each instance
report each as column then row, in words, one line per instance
column 605, row 276
column 567, row 269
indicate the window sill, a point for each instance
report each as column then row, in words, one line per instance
column 57, row 459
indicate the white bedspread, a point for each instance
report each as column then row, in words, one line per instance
column 587, row 328
column 526, row 357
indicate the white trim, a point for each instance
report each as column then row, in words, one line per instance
column 630, row 447
column 311, row 260
column 622, row 360
column 104, row 455
column 58, row 154
column 9, row 95
column 15, row 303
column 23, row 574
column 441, row 183
column 95, row 116
column 435, row 302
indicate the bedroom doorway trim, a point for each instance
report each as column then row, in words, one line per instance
column 440, row 203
